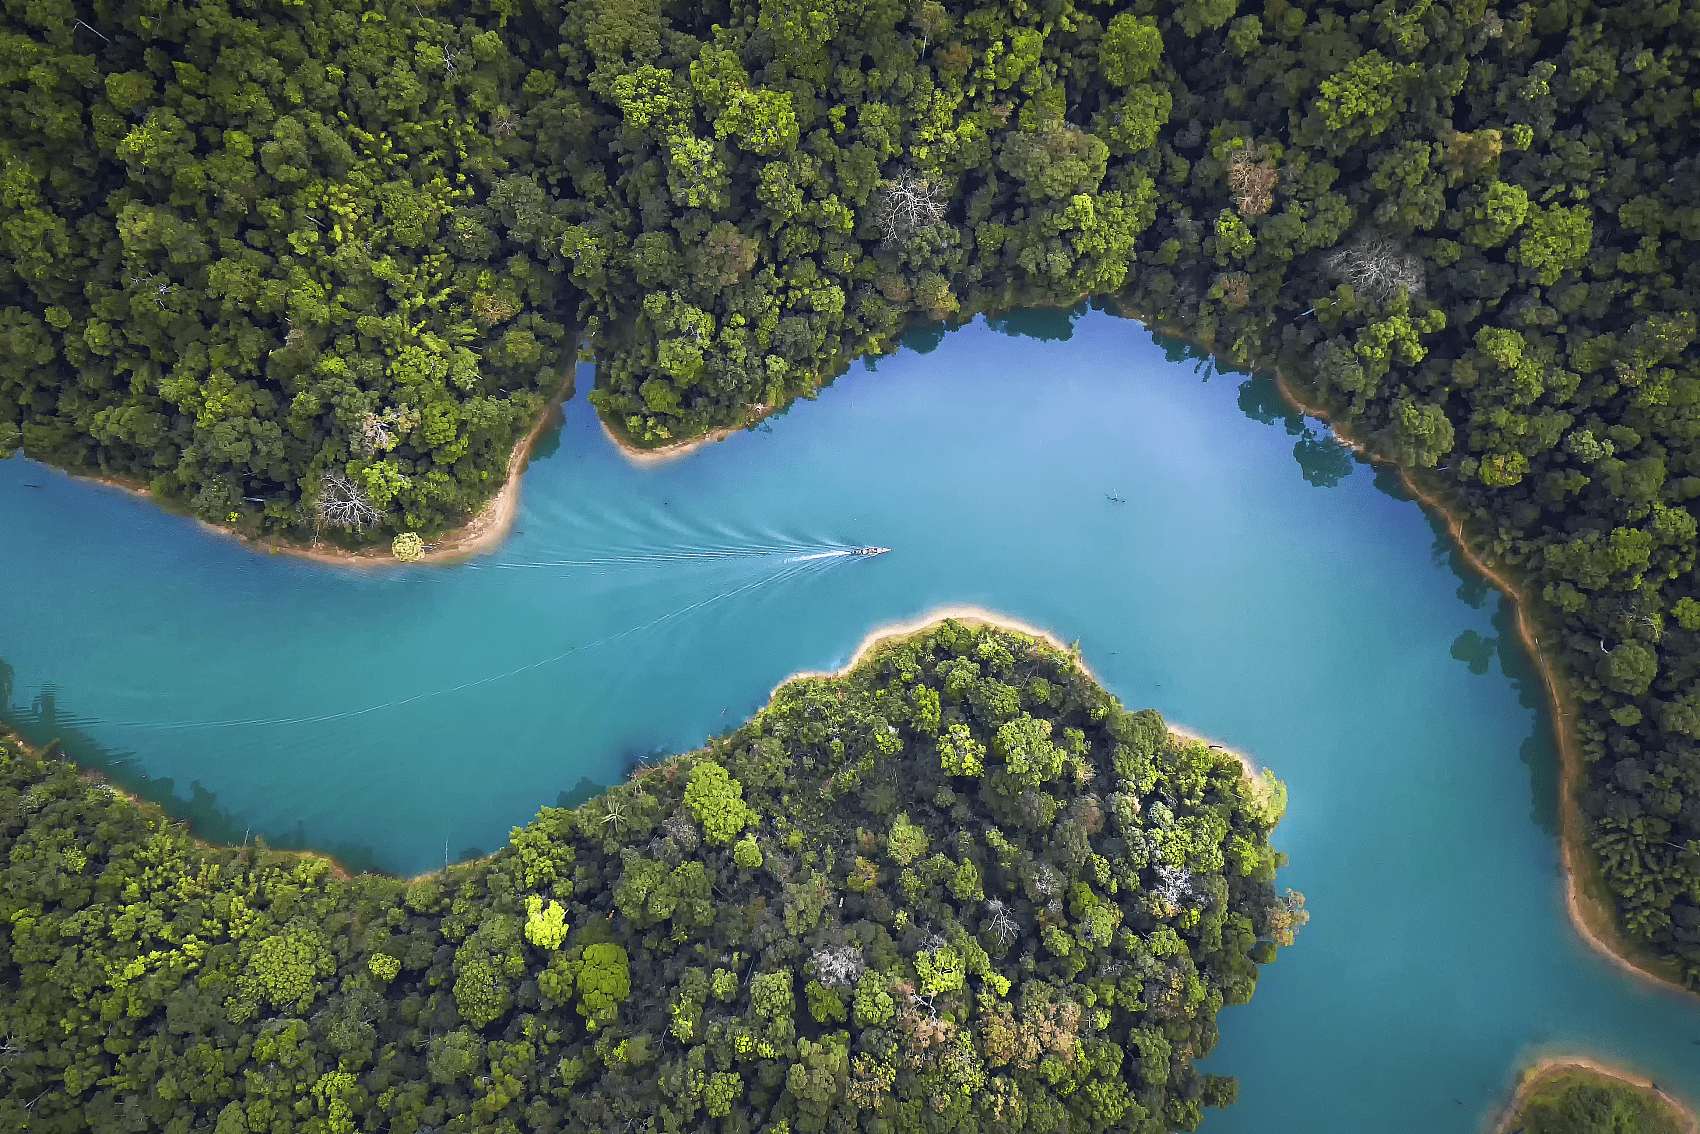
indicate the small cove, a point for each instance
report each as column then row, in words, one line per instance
column 1077, row 477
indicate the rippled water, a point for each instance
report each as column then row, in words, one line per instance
column 1075, row 476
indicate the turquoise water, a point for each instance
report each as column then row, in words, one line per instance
column 1297, row 609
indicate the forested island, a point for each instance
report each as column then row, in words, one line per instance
column 956, row 887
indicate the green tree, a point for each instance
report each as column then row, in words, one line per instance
column 1131, row 49
column 545, row 927
column 1556, row 240
column 907, row 842
column 746, row 854
column 960, row 753
column 1364, row 97
column 717, row 802
column 771, row 994
column 604, row 981
column 1499, row 211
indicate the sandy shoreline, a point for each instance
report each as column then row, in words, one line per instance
column 1252, row 768
column 484, row 531
column 664, row 453
column 1555, row 1065
column 1591, row 914
column 976, row 616
column 964, row 613
column 1590, row 909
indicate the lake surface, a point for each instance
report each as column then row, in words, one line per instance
column 1217, row 558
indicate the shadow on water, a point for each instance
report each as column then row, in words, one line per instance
column 549, row 437
column 1473, row 590
column 1322, row 459
column 1177, row 349
column 44, row 722
column 1324, row 463
column 585, row 790
column 1045, row 324
column 1387, row 483
column 1477, row 652
column 1474, row 651
column 1538, row 752
column 925, row 339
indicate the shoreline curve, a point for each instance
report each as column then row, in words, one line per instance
column 664, row 454
column 1594, row 922
column 971, row 615
column 1589, row 913
column 1551, row 1066
column 487, row 528
column 965, row 613
column 157, row 810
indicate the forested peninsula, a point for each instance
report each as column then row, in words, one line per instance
column 310, row 270
column 1580, row 1096
column 956, row 887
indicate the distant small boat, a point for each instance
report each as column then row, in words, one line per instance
column 870, row 550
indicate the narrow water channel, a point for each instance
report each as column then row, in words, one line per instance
column 1217, row 557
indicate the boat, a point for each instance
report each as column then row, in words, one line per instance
column 869, row 550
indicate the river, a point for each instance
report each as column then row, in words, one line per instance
column 1216, row 556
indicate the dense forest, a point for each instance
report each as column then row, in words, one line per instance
column 311, row 269
column 959, row 887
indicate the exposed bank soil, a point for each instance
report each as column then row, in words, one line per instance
column 1587, row 898
column 661, row 454
column 1511, row 1120
column 488, row 528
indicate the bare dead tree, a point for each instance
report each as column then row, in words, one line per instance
column 1001, row 922
column 1377, row 266
column 491, row 309
column 503, row 123
column 1174, row 885
column 838, row 966
column 1235, row 288
column 1285, row 917
column 906, row 205
column 343, row 504
column 378, row 430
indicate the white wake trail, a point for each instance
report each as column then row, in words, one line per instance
column 791, row 569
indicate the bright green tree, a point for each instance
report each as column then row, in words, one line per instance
column 717, row 802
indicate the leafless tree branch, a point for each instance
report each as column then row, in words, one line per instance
column 907, row 205
column 838, row 966
column 343, row 504
column 1378, row 267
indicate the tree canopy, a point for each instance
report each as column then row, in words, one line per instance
column 314, row 268
column 916, row 947
column 1577, row 1099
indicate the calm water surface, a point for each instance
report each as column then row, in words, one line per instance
column 1077, row 478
